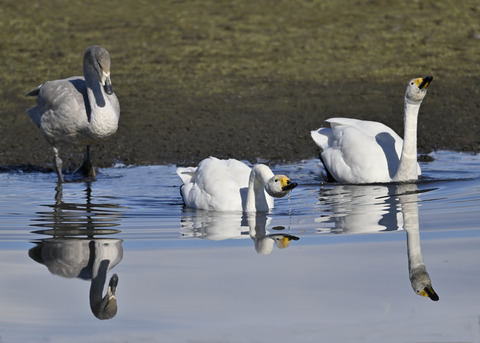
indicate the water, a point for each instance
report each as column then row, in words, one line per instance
column 329, row 264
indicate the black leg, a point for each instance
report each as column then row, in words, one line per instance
column 86, row 169
column 57, row 161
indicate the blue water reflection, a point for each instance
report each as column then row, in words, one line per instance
column 188, row 275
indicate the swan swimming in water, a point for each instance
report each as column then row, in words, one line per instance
column 358, row 151
column 230, row 185
column 79, row 110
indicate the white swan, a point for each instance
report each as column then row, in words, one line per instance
column 230, row 185
column 78, row 110
column 357, row 151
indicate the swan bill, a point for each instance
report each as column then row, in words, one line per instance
column 108, row 86
column 430, row 293
column 425, row 82
column 287, row 185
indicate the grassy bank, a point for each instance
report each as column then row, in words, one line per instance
column 245, row 79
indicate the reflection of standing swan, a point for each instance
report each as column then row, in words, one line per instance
column 357, row 151
column 88, row 259
column 419, row 278
column 230, row 185
column 78, row 110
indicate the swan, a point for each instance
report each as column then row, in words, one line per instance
column 358, row 151
column 419, row 278
column 78, row 110
column 230, row 185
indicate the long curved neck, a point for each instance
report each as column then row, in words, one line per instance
column 256, row 197
column 101, row 113
column 407, row 168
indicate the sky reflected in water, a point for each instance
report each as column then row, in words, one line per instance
column 331, row 263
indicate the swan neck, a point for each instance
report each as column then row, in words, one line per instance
column 102, row 110
column 256, row 197
column 407, row 169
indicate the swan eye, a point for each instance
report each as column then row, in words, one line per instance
column 276, row 180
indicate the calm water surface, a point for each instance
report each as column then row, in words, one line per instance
column 329, row 264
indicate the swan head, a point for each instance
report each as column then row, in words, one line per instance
column 99, row 58
column 423, row 286
column 279, row 186
column 417, row 89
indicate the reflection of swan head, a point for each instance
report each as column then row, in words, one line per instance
column 422, row 285
column 283, row 241
column 279, row 186
column 264, row 245
column 107, row 308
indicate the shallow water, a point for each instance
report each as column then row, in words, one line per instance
column 328, row 264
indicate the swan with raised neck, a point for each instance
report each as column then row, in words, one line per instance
column 360, row 151
column 414, row 95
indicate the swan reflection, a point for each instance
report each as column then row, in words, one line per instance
column 377, row 208
column 86, row 259
column 419, row 278
column 74, row 251
column 360, row 209
column 217, row 226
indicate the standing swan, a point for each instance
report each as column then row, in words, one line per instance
column 78, row 110
column 230, row 185
column 357, row 151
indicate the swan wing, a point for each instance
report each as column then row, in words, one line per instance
column 390, row 142
column 357, row 151
column 215, row 184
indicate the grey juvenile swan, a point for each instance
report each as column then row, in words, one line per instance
column 79, row 110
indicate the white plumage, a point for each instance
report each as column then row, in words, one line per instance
column 230, row 185
column 357, row 151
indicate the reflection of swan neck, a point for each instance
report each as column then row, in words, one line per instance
column 256, row 197
column 419, row 277
column 256, row 225
column 407, row 168
column 409, row 205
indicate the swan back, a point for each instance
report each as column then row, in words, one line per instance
column 215, row 184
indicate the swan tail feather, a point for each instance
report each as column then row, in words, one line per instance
column 187, row 174
column 321, row 137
